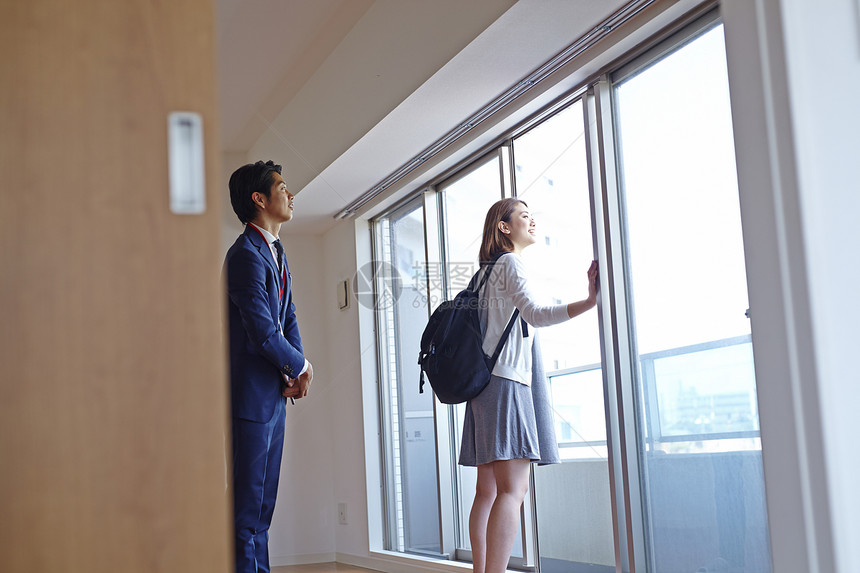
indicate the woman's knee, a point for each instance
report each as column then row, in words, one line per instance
column 516, row 491
column 512, row 477
column 485, row 486
column 485, row 491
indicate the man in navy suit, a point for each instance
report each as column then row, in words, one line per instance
column 267, row 363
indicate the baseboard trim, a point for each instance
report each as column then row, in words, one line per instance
column 391, row 562
column 385, row 561
column 304, row 559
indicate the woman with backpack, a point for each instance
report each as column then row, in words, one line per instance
column 509, row 424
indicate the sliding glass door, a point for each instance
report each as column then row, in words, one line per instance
column 571, row 500
column 699, row 446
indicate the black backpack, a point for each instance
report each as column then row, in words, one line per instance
column 452, row 354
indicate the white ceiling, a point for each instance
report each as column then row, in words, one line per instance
column 343, row 92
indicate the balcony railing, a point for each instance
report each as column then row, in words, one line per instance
column 697, row 398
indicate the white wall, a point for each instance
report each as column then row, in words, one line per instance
column 345, row 356
column 305, row 514
column 822, row 44
column 794, row 72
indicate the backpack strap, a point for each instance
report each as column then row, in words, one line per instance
column 489, row 268
column 495, row 357
column 483, row 279
column 503, row 339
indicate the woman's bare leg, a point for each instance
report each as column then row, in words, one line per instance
column 512, row 483
column 485, row 495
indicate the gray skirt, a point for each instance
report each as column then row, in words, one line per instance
column 511, row 421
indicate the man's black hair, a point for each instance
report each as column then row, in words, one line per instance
column 247, row 180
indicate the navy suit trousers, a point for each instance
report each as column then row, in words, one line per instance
column 257, row 451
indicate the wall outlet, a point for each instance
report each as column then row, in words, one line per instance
column 341, row 513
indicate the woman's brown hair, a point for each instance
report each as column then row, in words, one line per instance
column 495, row 242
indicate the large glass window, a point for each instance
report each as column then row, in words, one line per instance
column 410, row 448
column 653, row 393
column 700, row 450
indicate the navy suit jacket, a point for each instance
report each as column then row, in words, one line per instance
column 264, row 333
